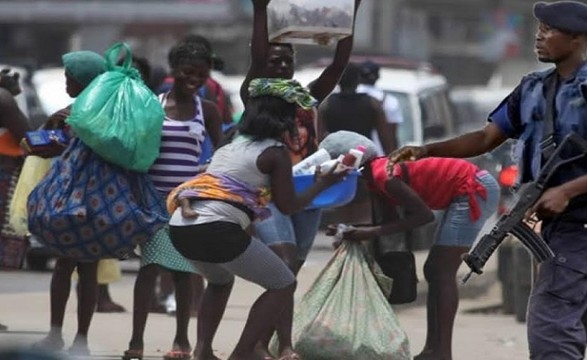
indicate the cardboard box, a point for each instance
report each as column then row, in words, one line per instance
column 318, row 22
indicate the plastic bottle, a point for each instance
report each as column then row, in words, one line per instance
column 316, row 158
column 353, row 157
column 327, row 165
column 359, row 153
column 349, row 159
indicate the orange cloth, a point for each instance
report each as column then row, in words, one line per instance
column 9, row 146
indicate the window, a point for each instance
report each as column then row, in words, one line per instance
column 405, row 130
column 437, row 119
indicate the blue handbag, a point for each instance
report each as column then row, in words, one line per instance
column 87, row 209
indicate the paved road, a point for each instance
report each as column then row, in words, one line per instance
column 481, row 332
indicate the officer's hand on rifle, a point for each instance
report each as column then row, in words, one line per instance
column 532, row 221
column 552, row 202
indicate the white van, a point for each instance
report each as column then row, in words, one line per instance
column 423, row 96
column 49, row 84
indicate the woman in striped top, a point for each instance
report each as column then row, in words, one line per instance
column 188, row 119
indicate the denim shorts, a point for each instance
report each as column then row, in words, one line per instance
column 298, row 229
column 455, row 227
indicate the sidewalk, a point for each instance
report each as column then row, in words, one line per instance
column 26, row 311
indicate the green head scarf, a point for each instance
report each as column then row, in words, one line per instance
column 84, row 66
column 288, row 90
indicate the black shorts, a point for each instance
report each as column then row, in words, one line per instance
column 214, row 242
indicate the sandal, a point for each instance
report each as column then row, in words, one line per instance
column 178, row 355
column 133, row 354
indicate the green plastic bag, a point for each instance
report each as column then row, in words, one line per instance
column 345, row 314
column 118, row 116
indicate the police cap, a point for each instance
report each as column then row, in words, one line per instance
column 568, row 16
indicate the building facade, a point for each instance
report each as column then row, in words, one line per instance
column 465, row 39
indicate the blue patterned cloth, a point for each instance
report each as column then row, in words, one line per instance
column 87, row 209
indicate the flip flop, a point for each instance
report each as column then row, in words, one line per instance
column 178, row 355
column 133, row 354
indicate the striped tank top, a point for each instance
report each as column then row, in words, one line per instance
column 181, row 147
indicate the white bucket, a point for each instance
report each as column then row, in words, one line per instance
column 314, row 22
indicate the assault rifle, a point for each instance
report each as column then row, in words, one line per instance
column 512, row 221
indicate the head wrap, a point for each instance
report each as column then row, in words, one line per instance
column 288, row 90
column 84, row 66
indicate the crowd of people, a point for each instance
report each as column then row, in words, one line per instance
column 233, row 211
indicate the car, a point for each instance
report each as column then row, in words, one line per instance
column 49, row 84
column 473, row 104
column 422, row 93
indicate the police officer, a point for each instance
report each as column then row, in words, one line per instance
column 541, row 110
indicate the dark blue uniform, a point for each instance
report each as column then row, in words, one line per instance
column 559, row 297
